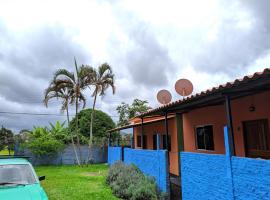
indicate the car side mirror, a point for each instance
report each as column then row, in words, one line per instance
column 41, row 178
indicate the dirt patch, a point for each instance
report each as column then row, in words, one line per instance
column 94, row 174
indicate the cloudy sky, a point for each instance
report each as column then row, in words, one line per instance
column 149, row 43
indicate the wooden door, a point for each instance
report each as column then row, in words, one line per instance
column 257, row 139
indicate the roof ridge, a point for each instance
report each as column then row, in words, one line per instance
column 230, row 84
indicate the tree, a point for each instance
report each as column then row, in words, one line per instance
column 100, row 79
column 102, row 123
column 127, row 111
column 60, row 132
column 42, row 142
column 123, row 111
column 64, row 93
column 6, row 139
column 68, row 86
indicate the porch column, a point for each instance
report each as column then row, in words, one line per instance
column 132, row 139
column 158, row 141
column 142, row 133
column 167, row 131
column 109, row 141
column 230, row 124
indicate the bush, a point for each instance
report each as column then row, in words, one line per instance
column 42, row 142
column 128, row 182
column 145, row 189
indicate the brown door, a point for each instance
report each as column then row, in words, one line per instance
column 257, row 138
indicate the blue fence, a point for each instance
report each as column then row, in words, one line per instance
column 66, row 156
column 222, row 177
column 152, row 163
column 114, row 154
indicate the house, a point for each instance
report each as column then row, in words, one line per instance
column 196, row 124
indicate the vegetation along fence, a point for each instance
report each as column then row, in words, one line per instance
column 151, row 162
column 67, row 157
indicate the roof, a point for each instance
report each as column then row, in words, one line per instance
column 12, row 161
column 219, row 89
column 146, row 121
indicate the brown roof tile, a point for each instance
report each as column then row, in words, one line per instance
column 219, row 88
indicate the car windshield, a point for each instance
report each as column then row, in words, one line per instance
column 16, row 174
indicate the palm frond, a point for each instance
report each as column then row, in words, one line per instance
column 103, row 69
column 64, row 74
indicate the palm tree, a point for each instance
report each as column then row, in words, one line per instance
column 74, row 83
column 101, row 79
column 53, row 91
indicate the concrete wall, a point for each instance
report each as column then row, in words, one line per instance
column 67, row 157
column 114, row 154
column 218, row 177
column 151, row 163
column 251, row 178
column 211, row 115
column 159, row 128
column 204, row 177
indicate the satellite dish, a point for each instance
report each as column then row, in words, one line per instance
column 164, row 96
column 183, row 87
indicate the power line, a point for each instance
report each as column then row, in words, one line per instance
column 26, row 113
column 39, row 114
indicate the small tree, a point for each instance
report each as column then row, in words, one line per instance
column 42, row 142
column 127, row 111
column 100, row 79
column 102, row 123
column 6, row 139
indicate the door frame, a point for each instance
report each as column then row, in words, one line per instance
column 244, row 131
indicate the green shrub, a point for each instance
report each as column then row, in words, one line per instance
column 42, row 142
column 128, row 182
column 145, row 189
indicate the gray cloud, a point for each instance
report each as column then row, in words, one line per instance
column 30, row 60
column 42, row 50
column 145, row 57
column 236, row 47
column 27, row 63
column 148, row 61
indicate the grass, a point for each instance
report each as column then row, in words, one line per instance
column 5, row 152
column 73, row 182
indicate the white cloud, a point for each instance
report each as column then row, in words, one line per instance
column 150, row 44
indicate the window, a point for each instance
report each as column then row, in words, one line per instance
column 204, row 136
column 17, row 174
column 155, row 142
column 144, row 142
column 164, row 142
column 139, row 142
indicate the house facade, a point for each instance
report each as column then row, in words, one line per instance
column 196, row 124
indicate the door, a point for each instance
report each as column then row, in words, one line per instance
column 257, row 139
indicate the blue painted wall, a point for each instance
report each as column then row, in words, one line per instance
column 114, row 154
column 208, row 176
column 150, row 162
column 66, row 157
column 204, row 177
column 251, row 178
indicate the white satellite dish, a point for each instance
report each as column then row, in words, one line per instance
column 164, row 97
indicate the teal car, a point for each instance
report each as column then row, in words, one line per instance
column 18, row 180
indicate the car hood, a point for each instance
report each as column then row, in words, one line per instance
column 28, row 192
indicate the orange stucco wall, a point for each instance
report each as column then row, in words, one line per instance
column 159, row 128
column 213, row 115
column 216, row 116
column 240, row 113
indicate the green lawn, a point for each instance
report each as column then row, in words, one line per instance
column 73, row 182
column 5, row 152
